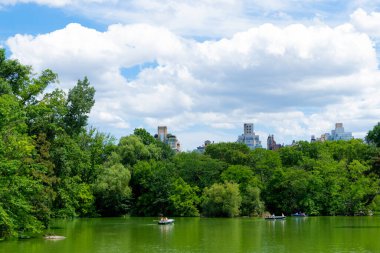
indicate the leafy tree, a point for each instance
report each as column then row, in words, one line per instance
column 131, row 150
column 248, row 186
column 112, row 190
column 251, row 204
column 145, row 137
column 184, row 199
column 79, row 103
column 373, row 136
column 221, row 200
column 152, row 184
column 290, row 156
column 285, row 190
column 263, row 162
column 19, row 191
column 47, row 116
column 232, row 153
column 74, row 198
column 198, row 170
column 17, row 79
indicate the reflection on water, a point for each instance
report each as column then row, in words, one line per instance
column 166, row 228
column 251, row 235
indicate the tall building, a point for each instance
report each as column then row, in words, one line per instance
column 170, row 139
column 162, row 133
column 271, row 143
column 337, row 134
column 340, row 134
column 249, row 137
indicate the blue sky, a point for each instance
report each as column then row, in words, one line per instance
column 203, row 68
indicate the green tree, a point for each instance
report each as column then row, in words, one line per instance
column 17, row 79
column 112, row 190
column 198, row 169
column 152, row 184
column 251, row 204
column 373, row 136
column 79, row 103
column 184, row 199
column 221, row 200
column 232, row 153
column 263, row 162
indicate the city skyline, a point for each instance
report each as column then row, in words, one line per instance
column 202, row 68
column 253, row 141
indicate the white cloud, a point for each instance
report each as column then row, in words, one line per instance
column 368, row 23
column 294, row 80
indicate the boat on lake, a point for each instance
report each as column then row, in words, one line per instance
column 54, row 237
column 165, row 221
column 275, row 217
column 299, row 214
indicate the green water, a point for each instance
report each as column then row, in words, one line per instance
column 310, row 234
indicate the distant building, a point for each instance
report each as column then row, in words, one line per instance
column 271, row 143
column 337, row 134
column 201, row 149
column 249, row 137
column 170, row 139
column 340, row 134
column 162, row 133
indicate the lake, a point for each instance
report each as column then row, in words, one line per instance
column 131, row 234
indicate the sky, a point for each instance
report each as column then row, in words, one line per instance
column 204, row 68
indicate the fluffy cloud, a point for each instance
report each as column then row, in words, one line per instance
column 368, row 23
column 292, row 81
column 203, row 18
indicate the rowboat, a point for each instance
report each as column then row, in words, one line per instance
column 299, row 215
column 274, row 217
column 54, row 237
column 165, row 221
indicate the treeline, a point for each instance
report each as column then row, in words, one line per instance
column 53, row 165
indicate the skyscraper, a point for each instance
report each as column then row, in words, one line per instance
column 170, row 139
column 337, row 134
column 249, row 137
column 162, row 133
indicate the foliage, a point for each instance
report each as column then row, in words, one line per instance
column 184, row 199
column 199, row 170
column 232, row 153
column 112, row 190
column 221, row 200
column 373, row 136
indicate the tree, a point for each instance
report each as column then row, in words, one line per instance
column 248, row 186
column 152, row 184
column 198, row 169
column 373, row 136
column 145, row 137
column 263, row 162
column 232, row 153
column 79, row 103
column 221, row 200
column 131, row 150
column 112, row 189
column 17, row 79
column 184, row 199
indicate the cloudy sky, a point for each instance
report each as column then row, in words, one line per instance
column 204, row 67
